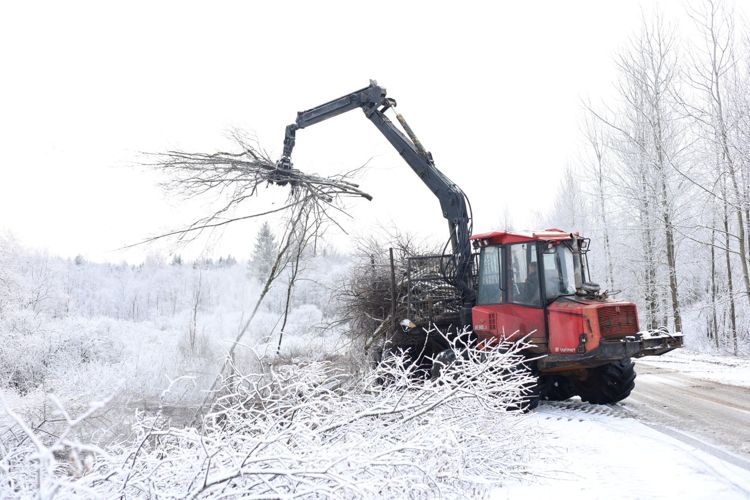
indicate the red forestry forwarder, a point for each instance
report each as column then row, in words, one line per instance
column 502, row 286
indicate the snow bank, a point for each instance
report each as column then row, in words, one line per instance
column 730, row 370
column 612, row 456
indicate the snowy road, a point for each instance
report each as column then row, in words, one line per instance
column 707, row 414
column 683, row 433
column 600, row 451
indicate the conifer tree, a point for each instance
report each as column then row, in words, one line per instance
column 264, row 252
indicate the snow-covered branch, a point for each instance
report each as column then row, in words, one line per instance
column 308, row 430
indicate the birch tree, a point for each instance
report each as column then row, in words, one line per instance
column 650, row 142
column 718, row 111
column 596, row 142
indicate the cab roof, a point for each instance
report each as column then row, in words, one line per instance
column 502, row 237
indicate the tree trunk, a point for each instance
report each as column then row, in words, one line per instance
column 649, row 271
column 194, row 321
column 730, row 284
column 723, row 136
column 740, row 226
column 605, row 231
column 290, row 286
column 666, row 214
column 672, row 266
column 595, row 143
column 713, row 321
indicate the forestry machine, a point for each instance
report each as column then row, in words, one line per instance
column 505, row 286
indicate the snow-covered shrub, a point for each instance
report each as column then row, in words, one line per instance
column 34, row 349
column 307, row 430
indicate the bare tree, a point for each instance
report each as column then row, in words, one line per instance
column 669, row 175
column 196, row 302
column 714, row 77
column 304, row 233
column 730, row 284
column 597, row 142
column 651, row 141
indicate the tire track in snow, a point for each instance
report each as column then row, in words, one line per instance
column 709, row 416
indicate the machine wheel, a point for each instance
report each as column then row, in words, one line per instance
column 609, row 383
column 531, row 391
column 375, row 356
column 557, row 388
column 419, row 348
column 531, row 400
column 442, row 360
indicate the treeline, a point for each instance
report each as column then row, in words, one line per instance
column 663, row 187
column 40, row 285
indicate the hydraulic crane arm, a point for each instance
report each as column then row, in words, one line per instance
column 373, row 101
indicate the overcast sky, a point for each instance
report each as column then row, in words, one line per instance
column 493, row 89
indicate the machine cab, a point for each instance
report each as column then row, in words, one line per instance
column 519, row 276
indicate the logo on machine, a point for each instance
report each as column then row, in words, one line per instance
column 564, row 349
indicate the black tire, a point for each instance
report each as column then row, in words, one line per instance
column 531, row 391
column 376, row 356
column 609, row 383
column 557, row 388
column 419, row 348
column 443, row 360
column 531, row 399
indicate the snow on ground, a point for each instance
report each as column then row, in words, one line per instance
column 98, row 329
column 729, row 370
column 602, row 452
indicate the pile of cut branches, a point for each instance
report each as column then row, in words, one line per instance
column 365, row 298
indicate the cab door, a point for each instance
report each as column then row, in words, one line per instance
column 509, row 299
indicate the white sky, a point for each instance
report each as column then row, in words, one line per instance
column 493, row 89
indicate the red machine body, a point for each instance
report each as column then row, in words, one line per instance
column 534, row 286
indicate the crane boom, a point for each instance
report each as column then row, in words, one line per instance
column 453, row 202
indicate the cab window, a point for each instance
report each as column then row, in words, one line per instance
column 524, row 279
column 490, row 276
column 559, row 271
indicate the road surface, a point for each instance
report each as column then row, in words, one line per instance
column 676, row 436
column 709, row 415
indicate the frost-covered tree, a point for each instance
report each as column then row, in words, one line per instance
column 264, row 252
column 597, row 169
column 720, row 111
column 648, row 136
column 665, row 179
